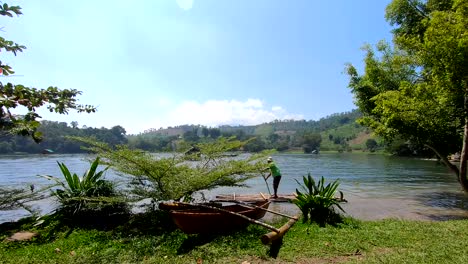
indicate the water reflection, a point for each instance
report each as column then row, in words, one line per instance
column 449, row 200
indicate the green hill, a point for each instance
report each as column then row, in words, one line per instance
column 338, row 132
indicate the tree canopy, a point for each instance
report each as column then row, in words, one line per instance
column 14, row 96
column 417, row 88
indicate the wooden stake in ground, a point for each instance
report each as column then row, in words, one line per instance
column 272, row 236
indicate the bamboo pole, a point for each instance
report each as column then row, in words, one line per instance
column 268, row 187
column 236, row 214
column 272, row 236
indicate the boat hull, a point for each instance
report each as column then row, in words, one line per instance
column 208, row 221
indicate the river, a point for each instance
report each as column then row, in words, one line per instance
column 376, row 186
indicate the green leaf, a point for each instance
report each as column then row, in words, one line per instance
column 317, row 197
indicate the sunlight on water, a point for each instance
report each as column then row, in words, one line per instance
column 376, row 186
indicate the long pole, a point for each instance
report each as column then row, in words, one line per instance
column 268, row 187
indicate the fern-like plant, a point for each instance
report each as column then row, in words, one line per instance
column 317, row 201
column 173, row 177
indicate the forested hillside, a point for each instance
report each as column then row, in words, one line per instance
column 338, row 132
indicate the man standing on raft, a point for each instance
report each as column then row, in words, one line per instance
column 276, row 173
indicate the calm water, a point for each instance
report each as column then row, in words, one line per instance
column 375, row 186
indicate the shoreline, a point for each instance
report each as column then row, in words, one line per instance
column 376, row 209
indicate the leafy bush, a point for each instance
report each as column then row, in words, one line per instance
column 175, row 177
column 89, row 195
column 317, row 201
column 371, row 144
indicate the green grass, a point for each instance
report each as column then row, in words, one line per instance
column 151, row 240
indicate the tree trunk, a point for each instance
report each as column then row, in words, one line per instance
column 447, row 163
column 464, row 154
column 460, row 172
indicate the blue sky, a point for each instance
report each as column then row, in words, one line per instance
column 151, row 64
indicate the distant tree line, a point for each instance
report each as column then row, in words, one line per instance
column 334, row 132
column 54, row 138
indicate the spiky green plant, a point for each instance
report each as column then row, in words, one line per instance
column 87, row 193
column 317, row 201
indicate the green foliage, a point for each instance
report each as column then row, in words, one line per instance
column 13, row 96
column 417, row 89
column 152, row 142
column 55, row 134
column 351, row 134
column 86, row 194
column 309, row 140
column 263, row 130
column 317, row 201
column 371, row 144
column 176, row 178
column 255, row 144
column 11, row 199
column 279, row 134
column 191, row 136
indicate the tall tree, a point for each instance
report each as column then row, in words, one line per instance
column 308, row 140
column 418, row 89
column 13, row 96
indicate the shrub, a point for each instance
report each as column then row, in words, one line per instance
column 317, row 201
column 13, row 199
column 179, row 176
column 87, row 196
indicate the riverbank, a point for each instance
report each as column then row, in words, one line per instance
column 147, row 241
column 384, row 208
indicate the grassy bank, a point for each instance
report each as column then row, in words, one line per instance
column 147, row 240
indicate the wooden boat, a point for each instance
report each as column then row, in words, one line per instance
column 47, row 151
column 205, row 219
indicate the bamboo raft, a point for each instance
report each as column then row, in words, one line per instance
column 282, row 198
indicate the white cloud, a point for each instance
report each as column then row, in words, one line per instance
column 222, row 112
column 185, row 4
column 162, row 112
column 277, row 109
